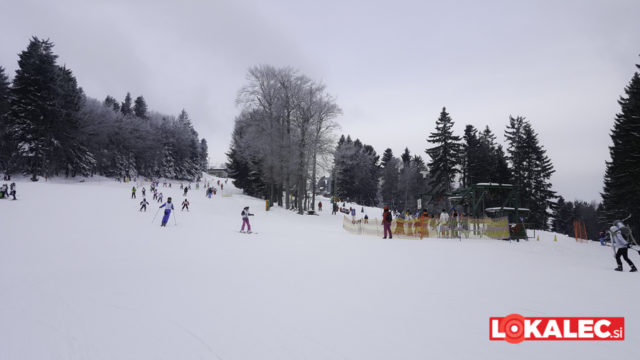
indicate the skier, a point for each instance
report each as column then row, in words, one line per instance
column 386, row 222
column 143, row 205
column 159, row 197
column 185, row 204
column 245, row 220
column 618, row 241
column 4, row 191
column 144, row 192
column 602, row 237
column 168, row 206
column 319, row 205
column 155, row 194
column 366, row 218
column 133, row 192
column 185, row 191
column 444, row 219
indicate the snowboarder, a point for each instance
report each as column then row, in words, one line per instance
column 133, row 192
column 185, row 204
column 386, row 222
column 143, row 205
column 245, row 220
column 618, row 242
column 168, row 206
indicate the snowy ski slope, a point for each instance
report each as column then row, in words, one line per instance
column 84, row 275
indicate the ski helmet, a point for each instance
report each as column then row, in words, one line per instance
column 613, row 228
column 169, row 199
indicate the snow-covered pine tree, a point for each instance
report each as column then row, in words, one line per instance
column 140, row 107
column 445, row 154
column 532, row 170
column 621, row 194
column 125, row 108
column 204, row 155
column 389, row 183
column 4, row 109
column 112, row 103
column 33, row 112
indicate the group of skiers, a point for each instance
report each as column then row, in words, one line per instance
column 8, row 190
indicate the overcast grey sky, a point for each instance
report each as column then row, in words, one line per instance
column 391, row 65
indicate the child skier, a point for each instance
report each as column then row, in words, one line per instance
column 159, row 197
column 185, row 204
column 245, row 219
column 618, row 242
column 168, row 206
column 143, row 192
column 185, row 191
column 143, row 205
column 133, row 192
column 386, row 222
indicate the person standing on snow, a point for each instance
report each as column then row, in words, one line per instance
column 386, row 222
column 185, row 204
column 159, row 197
column 602, row 236
column 143, row 205
column 618, row 242
column 444, row 220
column 133, row 192
column 319, row 205
column 144, row 192
column 168, row 206
column 245, row 219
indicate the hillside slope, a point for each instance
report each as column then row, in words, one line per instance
column 84, row 275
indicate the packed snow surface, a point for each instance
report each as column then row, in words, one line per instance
column 85, row 275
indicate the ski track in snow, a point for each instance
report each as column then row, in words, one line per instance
column 84, row 275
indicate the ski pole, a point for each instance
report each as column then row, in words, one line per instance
column 174, row 219
column 154, row 216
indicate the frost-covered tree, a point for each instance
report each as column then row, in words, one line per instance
column 282, row 133
column 125, row 108
column 140, row 107
column 621, row 193
column 33, row 112
column 444, row 154
column 4, row 109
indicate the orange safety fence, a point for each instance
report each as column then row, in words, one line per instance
column 420, row 228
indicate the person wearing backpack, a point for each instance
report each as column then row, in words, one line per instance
column 386, row 222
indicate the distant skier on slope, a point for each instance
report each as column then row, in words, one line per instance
column 185, row 204
column 144, row 192
column 444, row 220
column 159, row 197
column 143, row 205
column 386, row 222
column 133, row 192
column 245, row 219
column 185, row 191
column 618, row 242
column 168, row 206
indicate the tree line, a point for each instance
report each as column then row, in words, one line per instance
column 455, row 162
column 49, row 127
